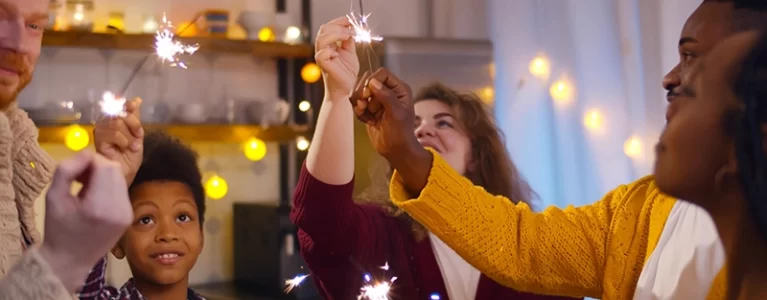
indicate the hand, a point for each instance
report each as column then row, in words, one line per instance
column 339, row 64
column 384, row 103
column 121, row 139
column 80, row 229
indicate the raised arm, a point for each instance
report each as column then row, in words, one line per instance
column 558, row 251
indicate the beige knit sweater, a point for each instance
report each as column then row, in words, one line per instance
column 25, row 170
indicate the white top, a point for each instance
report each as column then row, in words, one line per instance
column 461, row 279
column 688, row 257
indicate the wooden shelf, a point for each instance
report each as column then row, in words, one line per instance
column 145, row 42
column 227, row 134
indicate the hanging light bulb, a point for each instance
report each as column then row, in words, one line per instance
column 304, row 106
column 311, row 73
column 302, row 143
column 488, row 94
column 593, row 119
column 255, row 149
column 562, row 91
column 216, row 187
column 540, row 67
column 633, row 147
column 77, row 138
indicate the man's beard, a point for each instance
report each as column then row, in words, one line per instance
column 10, row 87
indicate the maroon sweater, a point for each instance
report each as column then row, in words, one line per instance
column 342, row 241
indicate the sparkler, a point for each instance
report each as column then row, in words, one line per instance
column 362, row 32
column 112, row 105
column 376, row 290
column 167, row 48
column 294, row 282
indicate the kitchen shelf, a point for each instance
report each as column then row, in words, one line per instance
column 226, row 134
column 145, row 42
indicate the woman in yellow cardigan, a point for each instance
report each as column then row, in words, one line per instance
column 598, row 250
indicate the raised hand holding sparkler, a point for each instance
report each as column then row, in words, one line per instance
column 121, row 139
column 338, row 62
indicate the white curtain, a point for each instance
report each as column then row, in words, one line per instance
column 614, row 53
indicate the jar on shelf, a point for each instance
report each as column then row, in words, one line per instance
column 116, row 23
column 79, row 15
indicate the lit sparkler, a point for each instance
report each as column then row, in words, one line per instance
column 290, row 284
column 112, row 105
column 168, row 48
column 376, row 290
column 362, row 33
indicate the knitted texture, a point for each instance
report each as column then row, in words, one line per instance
column 595, row 250
column 25, row 170
column 32, row 278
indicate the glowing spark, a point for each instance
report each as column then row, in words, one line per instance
column 111, row 105
column 385, row 266
column 290, row 284
column 362, row 33
column 434, row 296
column 378, row 291
column 168, row 49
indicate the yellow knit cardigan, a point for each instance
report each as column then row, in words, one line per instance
column 596, row 250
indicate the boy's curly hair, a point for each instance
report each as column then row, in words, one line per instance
column 167, row 159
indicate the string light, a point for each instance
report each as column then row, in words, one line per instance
column 488, row 94
column 292, row 35
column 311, row 73
column 304, row 106
column 216, row 187
column 633, row 147
column 77, row 138
column 593, row 119
column 302, row 143
column 254, row 149
column 266, row 34
column 540, row 67
column 562, row 91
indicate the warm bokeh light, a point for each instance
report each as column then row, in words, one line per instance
column 492, row 70
column 593, row 119
column 292, row 35
column 633, row 147
column 562, row 91
column 540, row 67
column 311, row 73
column 302, row 143
column 304, row 106
column 255, row 149
column 488, row 94
column 186, row 29
column 216, row 187
column 266, row 34
column 77, row 138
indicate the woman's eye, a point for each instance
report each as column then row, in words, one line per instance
column 145, row 221
column 444, row 123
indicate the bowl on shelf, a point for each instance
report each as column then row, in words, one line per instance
column 268, row 113
column 253, row 21
column 192, row 113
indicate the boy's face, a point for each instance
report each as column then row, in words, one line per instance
column 165, row 239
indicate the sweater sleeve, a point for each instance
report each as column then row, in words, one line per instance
column 329, row 221
column 32, row 278
column 558, row 251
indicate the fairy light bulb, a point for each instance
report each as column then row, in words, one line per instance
column 561, row 91
column 292, row 35
column 216, row 187
column 633, row 147
column 254, row 149
column 593, row 119
column 488, row 94
column 311, row 73
column 540, row 67
column 77, row 138
column 304, row 106
column 302, row 143
column 266, row 34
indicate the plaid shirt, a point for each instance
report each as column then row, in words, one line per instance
column 95, row 287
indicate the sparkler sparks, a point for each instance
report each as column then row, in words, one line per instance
column 169, row 49
column 376, row 290
column 111, row 105
column 362, row 33
column 290, row 284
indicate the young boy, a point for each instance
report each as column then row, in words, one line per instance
column 166, row 237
